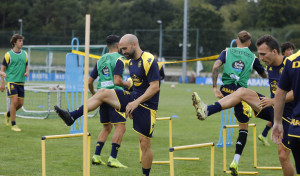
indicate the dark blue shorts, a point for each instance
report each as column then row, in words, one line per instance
column 14, row 88
column 144, row 118
column 285, row 140
column 295, row 146
column 108, row 114
column 241, row 109
column 266, row 113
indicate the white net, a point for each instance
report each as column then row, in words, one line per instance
column 40, row 99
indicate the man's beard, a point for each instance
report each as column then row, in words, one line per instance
column 131, row 55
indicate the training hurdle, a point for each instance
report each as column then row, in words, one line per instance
column 254, row 148
column 263, row 167
column 185, row 147
column 58, row 137
column 170, row 145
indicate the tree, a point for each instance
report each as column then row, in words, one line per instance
column 278, row 13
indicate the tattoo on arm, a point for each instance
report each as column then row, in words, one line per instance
column 215, row 72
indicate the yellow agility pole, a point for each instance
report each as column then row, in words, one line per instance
column 170, row 145
column 224, row 148
column 170, row 140
column 43, row 141
column 86, row 163
column 255, row 159
column 185, row 147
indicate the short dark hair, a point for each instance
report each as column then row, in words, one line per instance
column 14, row 39
column 244, row 36
column 286, row 46
column 270, row 41
column 112, row 39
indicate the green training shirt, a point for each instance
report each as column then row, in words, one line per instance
column 16, row 66
column 106, row 66
column 238, row 66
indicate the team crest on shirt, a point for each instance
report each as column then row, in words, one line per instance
column 136, row 80
column 274, row 86
column 140, row 64
column 270, row 69
column 105, row 71
column 149, row 60
column 280, row 71
column 238, row 65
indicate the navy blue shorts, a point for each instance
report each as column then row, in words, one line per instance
column 144, row 118
column 295, row 146
column 285, row 140
column 108, row 114
column 14, row 88
column 266, row 113
column 241, row 109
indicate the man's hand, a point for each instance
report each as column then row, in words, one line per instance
column 130, row 108
column 2, row 74
column 26, row 74
column 218, row 93
column 2, row 87
column 266, row 102
column 277, row 133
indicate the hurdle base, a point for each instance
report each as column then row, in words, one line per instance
column 243, row 172
column 269, row 168
column 160, row 162
column 186, row 158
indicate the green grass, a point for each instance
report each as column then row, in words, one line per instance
column 21, row 152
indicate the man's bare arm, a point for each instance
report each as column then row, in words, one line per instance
column 215, row 72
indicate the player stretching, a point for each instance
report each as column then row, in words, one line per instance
column 110, row 69
column 268, row 50
column 238, row 62
column 15, row 67
column 140, row 105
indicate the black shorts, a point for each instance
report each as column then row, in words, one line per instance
column 14, row 88
column 144, row 118
column 108, row 114
column 240, row 110
column 295, row 147
column 266, row 113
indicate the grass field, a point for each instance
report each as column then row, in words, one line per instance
column 20, row 153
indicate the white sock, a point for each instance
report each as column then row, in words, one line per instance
column 236, row 158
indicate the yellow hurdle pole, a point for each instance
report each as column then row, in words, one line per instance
column 89, row 154
column 269, row 168
column 43, row 158
column 186, row 158
column 85, row 97
column 62, row 136
column 163, row 118
column 254, row 147
column 170, row 139
column 160, row 162
column 184, row 147
column 244, row 173
column 224, row 148
column 212, row 160
column 172, row 149
column 170, row 133
column 171, row 163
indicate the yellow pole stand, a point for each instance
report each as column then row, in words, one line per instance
column 185, row 147
column 224, row 148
